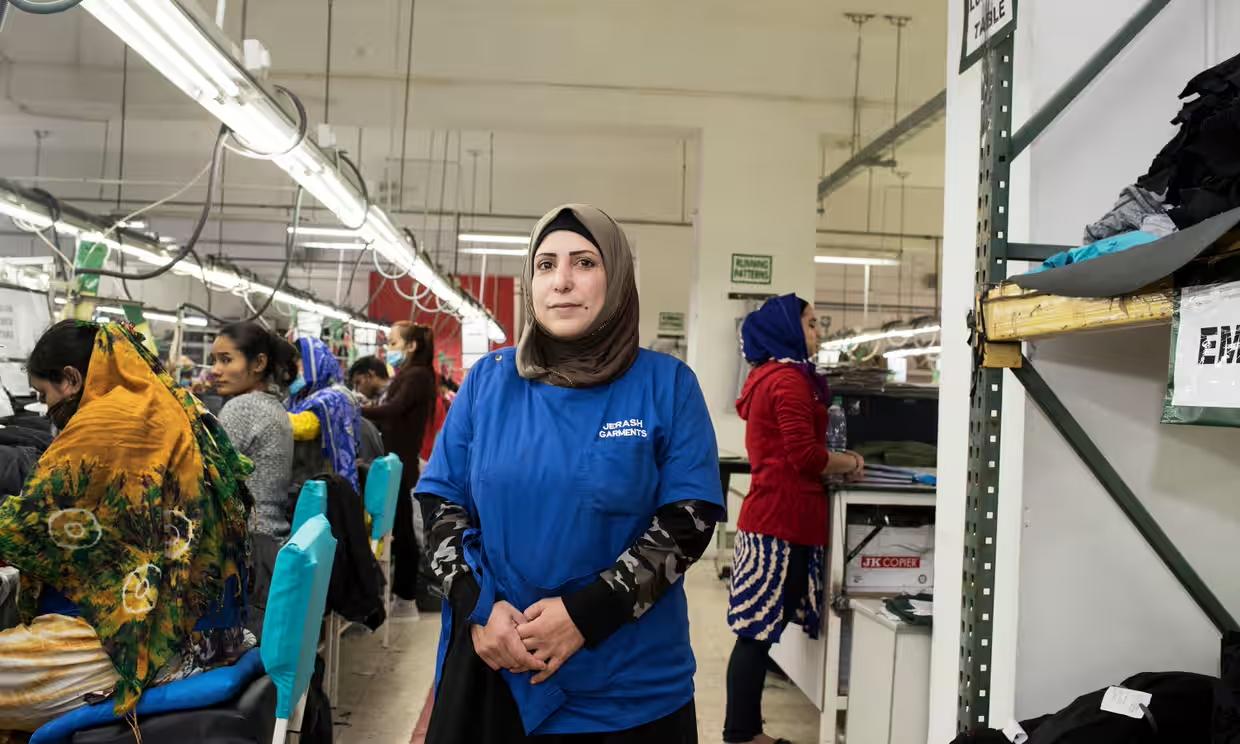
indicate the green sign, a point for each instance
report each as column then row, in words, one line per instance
column 90, row 256
column 671, row 324
column 751, row 269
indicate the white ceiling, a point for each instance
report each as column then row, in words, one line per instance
column 584, row 99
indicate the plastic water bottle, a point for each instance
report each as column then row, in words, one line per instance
column 837, row 426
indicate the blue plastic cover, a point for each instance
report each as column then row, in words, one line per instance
column 199, row 691
column 311, row 502
column 295, row 606
column 382, row 490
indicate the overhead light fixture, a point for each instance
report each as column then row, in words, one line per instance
column 322, row 232
column 183, row 44
column 132, row 224
column 906, row 353
column 109, row 310
column 856, row 261
column 507, row 239
column 495, row 251
column 870, row 337
column 15, row 203
column 337, row 246
column 167, row 239
column 189, row 320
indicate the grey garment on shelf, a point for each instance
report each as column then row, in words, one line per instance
column 259, row 428
column 1136, row 209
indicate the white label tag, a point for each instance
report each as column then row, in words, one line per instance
column 1015, row 733
column 1126, row 702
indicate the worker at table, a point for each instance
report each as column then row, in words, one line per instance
column 782, row 530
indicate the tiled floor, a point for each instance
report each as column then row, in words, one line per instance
column 382, row 691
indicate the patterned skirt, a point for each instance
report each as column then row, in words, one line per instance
column 763, row 571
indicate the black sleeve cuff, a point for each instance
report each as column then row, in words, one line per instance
column 598, row 611
column 463, row 596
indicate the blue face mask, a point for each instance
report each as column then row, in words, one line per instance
column 297, row 385
column 395, row 357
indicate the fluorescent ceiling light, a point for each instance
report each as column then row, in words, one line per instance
column 493, row 238
column 28, row 260
column 856, row 261
column 109, row 310
column 180, row 41
column 189, row 320
column 338, row 246
column 14, row 203
column 905, row 353
column 865, row 338
column 495, row 251
column 323, row 232
column 132, row 224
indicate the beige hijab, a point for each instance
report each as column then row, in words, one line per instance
column 610, row 346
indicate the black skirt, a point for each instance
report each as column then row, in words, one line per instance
column 473, row 704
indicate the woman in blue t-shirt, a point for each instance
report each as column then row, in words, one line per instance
column 575, row 480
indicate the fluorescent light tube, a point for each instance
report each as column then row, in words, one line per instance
column 323, row 232
column 493, row 238
column 495, row 251
column 856, row 261
column 865, row 338
column 328, row 245
column 189, row 320
column 180, row 41
column 905, row 353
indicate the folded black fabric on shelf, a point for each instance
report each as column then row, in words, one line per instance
column 1179, row 713
column 1199, row 169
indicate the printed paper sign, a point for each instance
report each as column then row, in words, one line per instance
column 1126, row 702
column 751, row 269
column 985, row 20
column 1207, row 349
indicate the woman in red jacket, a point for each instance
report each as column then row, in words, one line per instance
column 777, row 570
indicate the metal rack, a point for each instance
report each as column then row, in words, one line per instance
column 997, row 348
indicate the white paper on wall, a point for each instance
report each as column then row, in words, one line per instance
column 1207, row 349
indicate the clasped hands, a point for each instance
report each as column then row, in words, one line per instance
column 538, row 640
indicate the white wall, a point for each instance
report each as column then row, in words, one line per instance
column 1094, row 604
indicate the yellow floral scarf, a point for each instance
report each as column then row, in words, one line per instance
column 136, row 513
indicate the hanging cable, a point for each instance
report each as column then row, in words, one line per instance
column 193, row 182
column 303, row 125
column 45, row 7
column 207, row 204
column 288, row 258
column 361, row 185
column 384, row 274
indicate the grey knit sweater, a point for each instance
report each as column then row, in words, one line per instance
column 259, row 428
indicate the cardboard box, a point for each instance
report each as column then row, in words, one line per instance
column 898, row 560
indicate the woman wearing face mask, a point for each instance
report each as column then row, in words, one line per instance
column 251, row 368
column 130, row 535
column 322, row 412
column 777, row 570
column 403, row 417
column 578, row 480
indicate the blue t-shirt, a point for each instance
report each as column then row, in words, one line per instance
column 561, row 481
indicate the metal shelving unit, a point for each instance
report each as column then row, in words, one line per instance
column 1002, row 319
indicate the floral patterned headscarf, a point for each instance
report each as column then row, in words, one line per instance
column 136, row 513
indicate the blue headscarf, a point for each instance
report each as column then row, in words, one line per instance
column 773, row 333
column 339, row 418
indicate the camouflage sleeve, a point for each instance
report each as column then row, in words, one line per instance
column 677, row 537
column 448, row 523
